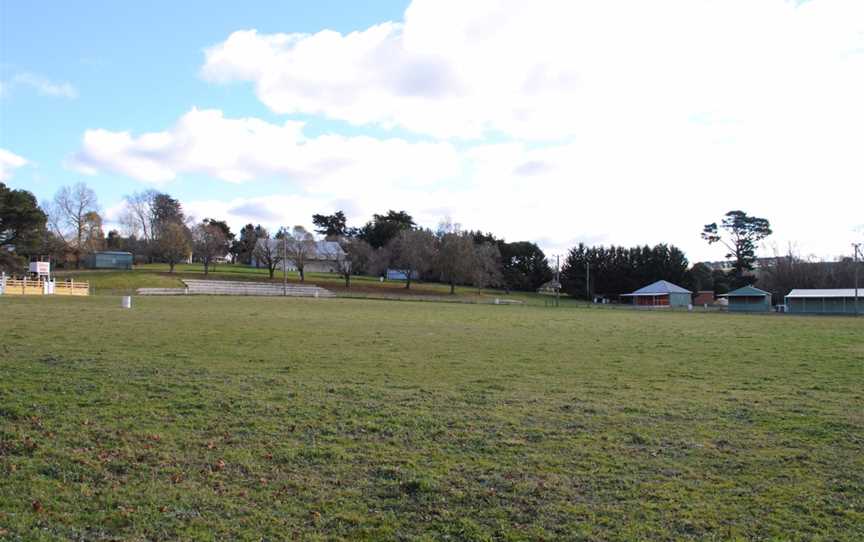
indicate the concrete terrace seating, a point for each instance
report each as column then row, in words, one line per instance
column 228, row 287
column 161, row 291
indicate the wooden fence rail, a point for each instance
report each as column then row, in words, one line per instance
column 41, row 287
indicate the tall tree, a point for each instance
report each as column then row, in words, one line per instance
column 175, row 243
column 301, row 248
column 413, row 251
column 524, row 265
column 68, row 216
column 332, row 226
column 209, row 242
column 455, row 256
column 739, row 233
column 616, row 270
column 486, row 266
column 382, row 228
column 94, row 236
column 354, row 258
column 22, row 222
column 244, row 246
column 138, row 215
column 166, row 210
column 699, row 277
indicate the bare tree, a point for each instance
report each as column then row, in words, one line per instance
column 267, row 251
column 455, row 255
column 301, row 247
column 175, row 244
column 138, row 214
column 413, row 253
column 208, row 243
column 68, row 216
column 354, row 257
column 486, row 266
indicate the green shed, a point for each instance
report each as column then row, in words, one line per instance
column 749, row 299
column 826, row 301
column 109, row 260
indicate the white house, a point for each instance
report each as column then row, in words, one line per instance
column 323, row 259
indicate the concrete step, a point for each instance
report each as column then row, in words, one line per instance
column 226, row 287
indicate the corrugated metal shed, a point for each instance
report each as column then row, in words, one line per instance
column 835, row 292
column 749, row 299
column 825, row 301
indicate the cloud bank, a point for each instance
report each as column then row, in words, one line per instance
column 618, row 122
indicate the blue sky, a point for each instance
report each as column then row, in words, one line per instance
column 562, row 121
column 134, row 66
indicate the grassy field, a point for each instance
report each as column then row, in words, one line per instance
column 158, row 276
column 247, row 419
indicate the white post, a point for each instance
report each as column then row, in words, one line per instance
column 126, row 302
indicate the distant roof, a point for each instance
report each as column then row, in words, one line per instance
column 550, row 286
column 747, row 291
column 835, row 292
column 661, row 287
column 324, row 250
column 113, row 252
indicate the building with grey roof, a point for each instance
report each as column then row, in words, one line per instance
column 660, row 294
column 825, row 301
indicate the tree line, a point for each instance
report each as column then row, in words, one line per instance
column 155, row 228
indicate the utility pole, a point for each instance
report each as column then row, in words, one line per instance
column 284, row 265
column 557, row 279
column 857, row 249
column 588, row 282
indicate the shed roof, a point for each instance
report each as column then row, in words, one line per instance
column 661, row 287
column 835, row 292
column 747, row 291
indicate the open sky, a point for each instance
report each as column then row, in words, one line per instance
column 556, row 121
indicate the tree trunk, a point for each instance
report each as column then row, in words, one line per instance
column 206, row 268
column 302, row 276
column 452, row 287
column 408, row 280
column 171, row 266
column 271, row 270
column 347, row 281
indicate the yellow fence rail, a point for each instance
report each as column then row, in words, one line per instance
column 40, row 287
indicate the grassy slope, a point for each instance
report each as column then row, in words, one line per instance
column 214, row 418
column 157, row 275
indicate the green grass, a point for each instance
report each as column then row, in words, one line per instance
column 157, row 275
column 246, row 419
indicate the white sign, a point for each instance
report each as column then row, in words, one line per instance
column 40, row 268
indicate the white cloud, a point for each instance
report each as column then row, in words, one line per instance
column 239, row 150
column 624, row 121
column 42, row 85
column 560, row 68
column 9, row 161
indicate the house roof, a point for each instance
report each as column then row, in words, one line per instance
column 550, row 286
column 835, row 292
column 661, row 287
column 747, row 291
